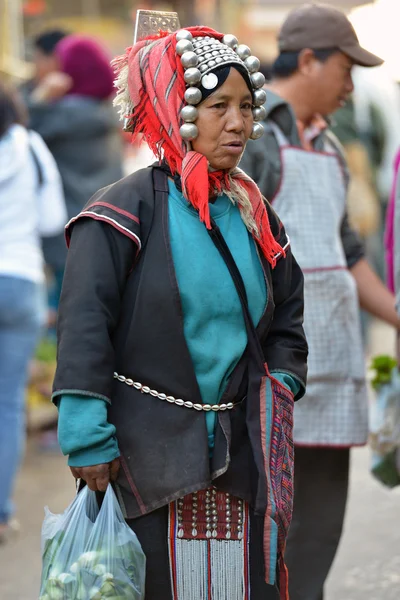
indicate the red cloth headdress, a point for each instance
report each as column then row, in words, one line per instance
column 156, row 89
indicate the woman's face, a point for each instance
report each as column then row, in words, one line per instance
column 225, row 123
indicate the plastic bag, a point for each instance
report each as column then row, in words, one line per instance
column 90, row 553
column 384, row 436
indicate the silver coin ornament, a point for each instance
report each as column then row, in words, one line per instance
column 193, row 96
column 243, row 52
column 192, row 76
column 230, row 40
column 189, row 131
column 209, row 81
column 259, row 113
column 189, row 59
column 257, row 131
column 189, row 114
column 184, row 46
column 257, row 79
column 253, row 64
column 260, row 97
column 184, row 34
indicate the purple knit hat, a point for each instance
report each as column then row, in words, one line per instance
column 86, row 62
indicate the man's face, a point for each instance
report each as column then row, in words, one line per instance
column 331, row 83
column 44, row 64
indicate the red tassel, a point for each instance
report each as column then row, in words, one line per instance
column 195, row 185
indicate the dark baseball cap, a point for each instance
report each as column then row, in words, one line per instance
column 318, row 26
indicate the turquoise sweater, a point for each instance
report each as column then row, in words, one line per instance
column 213, row 323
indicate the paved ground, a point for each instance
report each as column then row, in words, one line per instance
column 367, row 566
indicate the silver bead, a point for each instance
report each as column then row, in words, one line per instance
column 203, row 68
column 257, row 131
column 184, row 34
column 208, row 56
column 189, row 59
column 189, row 131
column 218, row 60
column 230, row 40
column 243, row 51
column 192, row 76
column 184, row 46
column 260, row 97
column 252, row 63
column 257, row 79
column 259, row 113
column 211, row 64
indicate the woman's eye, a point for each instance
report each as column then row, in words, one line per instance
column 247, row 106
column 218, row 105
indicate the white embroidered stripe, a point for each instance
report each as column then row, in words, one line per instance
column 178, row 401
column 113, row 222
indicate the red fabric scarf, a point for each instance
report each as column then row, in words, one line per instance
column 157, row 88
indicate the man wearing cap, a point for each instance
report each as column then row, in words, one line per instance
column 300, row 168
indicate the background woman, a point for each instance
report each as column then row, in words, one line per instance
column 31, row 205
column 71, row 109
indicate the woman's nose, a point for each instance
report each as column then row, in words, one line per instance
column 235, row 120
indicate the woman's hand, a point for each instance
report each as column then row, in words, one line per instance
column 97, row 477
column 52, row 87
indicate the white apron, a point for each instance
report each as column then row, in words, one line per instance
column 311, row 202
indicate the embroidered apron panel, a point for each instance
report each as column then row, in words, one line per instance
column 311, row 203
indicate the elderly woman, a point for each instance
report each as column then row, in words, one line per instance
column 181, row 347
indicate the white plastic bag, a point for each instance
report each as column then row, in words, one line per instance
column 91, row 554
column 384, row 438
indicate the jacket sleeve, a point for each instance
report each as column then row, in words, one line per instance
column 98, row 263
column 285, row 347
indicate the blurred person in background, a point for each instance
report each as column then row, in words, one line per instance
column 71, row 109
column 300, row 167
column 31, row 205
column 375, row 112
column 392, row 234
column 44, row 58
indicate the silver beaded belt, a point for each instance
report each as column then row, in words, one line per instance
column 178, row 401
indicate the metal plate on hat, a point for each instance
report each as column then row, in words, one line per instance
column 150, row 22
column 210, row 81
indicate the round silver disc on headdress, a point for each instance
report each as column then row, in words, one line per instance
column 259, row 113
column 257, row 131
column 260, row 97
column 193, row 96
column 230, row 40
column 210, row 81
column 252, row 63
column 257, row 79
column 189, row 59
column 192, row 76
column 184, row 46
column 189, row 131
column 243, row 51
column 184, row 34
column 189, row 114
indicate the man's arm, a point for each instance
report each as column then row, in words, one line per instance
column 373, row 295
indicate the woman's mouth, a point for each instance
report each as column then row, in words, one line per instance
column 234, row 147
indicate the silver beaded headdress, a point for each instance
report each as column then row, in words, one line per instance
column 199, row 57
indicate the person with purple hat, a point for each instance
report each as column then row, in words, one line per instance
column 71, row 109
column 300, row 168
